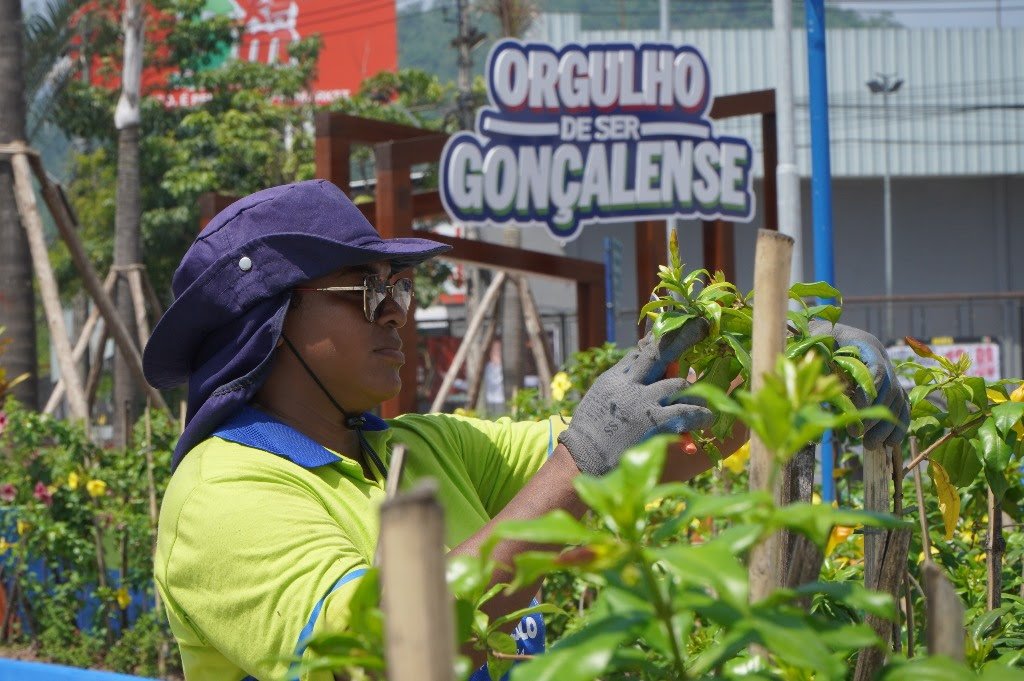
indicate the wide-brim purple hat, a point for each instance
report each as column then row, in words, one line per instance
column 233, row 287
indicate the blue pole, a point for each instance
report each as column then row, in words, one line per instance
column 610, row 265
column 821, row 186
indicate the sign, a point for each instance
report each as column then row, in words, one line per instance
column 595, row 133
column 984, row 354
column 358, row 39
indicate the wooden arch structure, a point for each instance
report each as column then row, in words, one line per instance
column 397, row 148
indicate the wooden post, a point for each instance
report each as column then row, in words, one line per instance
column 945, row 614
column 92, row 381
column 772, row 259
column 419, row 630
column 467, row 340
column 535, row 332
column 116, row 328
column 651, row 249
column 81, row 345
column 720, row 248
column 138, row 303
column 26, row 200
column 876, row 498
column 892, row 565
column 995, row 548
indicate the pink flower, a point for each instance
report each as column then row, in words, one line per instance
column 8, row 492
column 3, row 422
column 43, row 494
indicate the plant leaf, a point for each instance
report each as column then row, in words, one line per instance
column 949, row 498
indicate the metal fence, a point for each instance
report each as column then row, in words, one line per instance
column 999, row 316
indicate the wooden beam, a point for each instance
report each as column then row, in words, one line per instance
column 210, row 204
column 743, row 104
column 393, row 219
column 651, row 251
column 332, row 151
column 720, row 248
column 770, row 159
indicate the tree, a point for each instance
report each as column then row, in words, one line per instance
column 128, row 215
column 17, row 303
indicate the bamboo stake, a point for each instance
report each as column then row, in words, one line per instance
column 81, row 345
column 772, row 259
column 476, row 360
column 29, row 210
column 535, row 332
column 474, row 327
column 154, row 515
column 66, row 226
column 944, row 614
column 151, row 298
column 419, row 631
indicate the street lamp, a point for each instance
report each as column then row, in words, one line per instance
column 886, row 85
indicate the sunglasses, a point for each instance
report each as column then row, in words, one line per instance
column 375, row 291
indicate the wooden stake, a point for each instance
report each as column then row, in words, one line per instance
column 475, row 361
column 125, row 344
column 419, row 630
column 876, row 498
column 922, row 515
column 92, row 381
column 772, row 259
column 995, row 548
column 138, row 303
column 471, row 331
column 26, row 200
column 81, row 345
column 944, row 613
column 893, row 552
column 535, row 332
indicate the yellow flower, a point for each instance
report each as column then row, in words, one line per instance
column 1017, row 395
column 560, row 384
column 23, row 528
column 96, row 488
column 737, row 461
column 123, row 599
column 840, row 533
column 4, row 545
column 72, row 480
column 52, row 489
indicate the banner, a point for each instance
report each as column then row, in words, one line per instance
column 595, row 133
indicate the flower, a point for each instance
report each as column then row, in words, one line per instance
column 43, row 493
column 8, row 492
column 3, row 422
column 1017, row 395
column 4, row 546
column 96, row 488
column 123, row 599
column 737, row 461
column 72, row 480
column 560, row 384
column 23, row 528
column 839, row 534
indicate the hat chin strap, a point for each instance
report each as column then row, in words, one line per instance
column 352, row 421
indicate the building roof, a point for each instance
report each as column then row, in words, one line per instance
column 960, row 110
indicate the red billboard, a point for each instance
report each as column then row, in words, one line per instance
column 359, row 37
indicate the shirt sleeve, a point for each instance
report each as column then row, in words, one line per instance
column 495, row 458
column 257, row 563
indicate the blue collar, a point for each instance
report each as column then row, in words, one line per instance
column 254, row 428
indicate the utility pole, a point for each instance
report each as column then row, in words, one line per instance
column 17, row 298
column 786, row 170
column 886, row 85
column 468, row 37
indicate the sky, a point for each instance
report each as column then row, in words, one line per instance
column 945, row 13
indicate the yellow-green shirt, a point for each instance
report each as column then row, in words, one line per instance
column 260, row 544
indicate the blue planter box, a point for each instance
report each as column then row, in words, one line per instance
column 15, row 670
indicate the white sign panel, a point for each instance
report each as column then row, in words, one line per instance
column 984, row 354
column 595, row 133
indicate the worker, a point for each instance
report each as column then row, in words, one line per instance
column 285, row 326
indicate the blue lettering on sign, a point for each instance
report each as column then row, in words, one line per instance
column 595, row 133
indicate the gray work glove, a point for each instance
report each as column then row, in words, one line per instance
column 632, row 401
column 890, row 392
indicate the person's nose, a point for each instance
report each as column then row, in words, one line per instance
column 391, row 313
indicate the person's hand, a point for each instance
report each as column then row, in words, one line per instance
column 890, row 392
column 632, row 401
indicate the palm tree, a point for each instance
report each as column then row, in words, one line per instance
column 128, row 215
column 17, row 302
